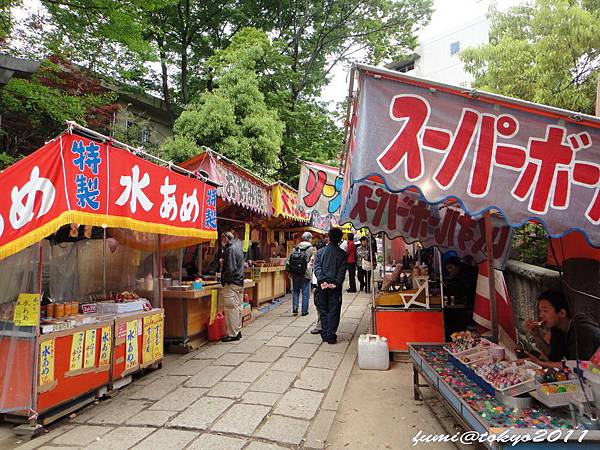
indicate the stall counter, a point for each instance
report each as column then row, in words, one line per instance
column 187, row 314
column 270, row 283
column 476, row 410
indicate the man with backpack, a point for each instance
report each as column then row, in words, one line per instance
column 297, row 266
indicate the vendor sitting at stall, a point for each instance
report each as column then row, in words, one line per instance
column 459, row 287
column 572, row 337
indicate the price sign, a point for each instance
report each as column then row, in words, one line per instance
column 27, row 310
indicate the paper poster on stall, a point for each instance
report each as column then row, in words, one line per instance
column 213, row 306
column 105, row 346
column 46, row 362
column 131, row 344
column 27, row 310
column 158, row 336
column 77, row 351
column 246, row 237
column 89, row 359
column 148, row 341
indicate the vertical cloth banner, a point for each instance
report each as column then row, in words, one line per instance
column 46, row 362
column 77, row 342
column 507, row 334
column 131, row 343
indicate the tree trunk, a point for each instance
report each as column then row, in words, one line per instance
column 184, row 74
column 165, row 86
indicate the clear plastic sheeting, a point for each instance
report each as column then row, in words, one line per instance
column 18, row 274
column 90, row 269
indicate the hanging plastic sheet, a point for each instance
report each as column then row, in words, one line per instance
column 18, row 275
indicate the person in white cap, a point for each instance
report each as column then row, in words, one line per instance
column 301, row 271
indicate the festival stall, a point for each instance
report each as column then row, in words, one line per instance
column 85, row 217
column 418, row 154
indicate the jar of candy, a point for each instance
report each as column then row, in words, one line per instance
column 59, row 310
column 50, row 310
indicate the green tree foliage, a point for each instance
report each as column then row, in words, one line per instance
column 546, row 51
column 308, row 39
column 233, row 118
column 34, row 110
column 530, row 244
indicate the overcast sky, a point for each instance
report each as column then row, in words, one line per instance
column 448, row 14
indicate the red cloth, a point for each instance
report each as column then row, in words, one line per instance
column 482, row 313
column 351, row 252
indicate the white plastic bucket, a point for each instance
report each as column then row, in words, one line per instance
column 373, row 352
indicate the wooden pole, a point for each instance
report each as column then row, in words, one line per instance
column 489, row 242
column 598, row 96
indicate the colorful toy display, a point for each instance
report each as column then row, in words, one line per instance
column 485, row 405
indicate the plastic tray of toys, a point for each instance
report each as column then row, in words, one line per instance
column 510, row 378
column 559, row 393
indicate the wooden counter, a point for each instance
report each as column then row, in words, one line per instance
column 187, row 314
column 270, row 284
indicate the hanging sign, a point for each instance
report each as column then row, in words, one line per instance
column 105, row 346
column 407, row 215
column 246, row 237
column 320, row 189
column 89, row 359
column 526, row 160
column 46, row 375
column 77, row 342
column 67, row 181
column 131, row 345
column 27, row 310
column 285, row 203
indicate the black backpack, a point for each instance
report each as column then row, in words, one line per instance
column 297, row 263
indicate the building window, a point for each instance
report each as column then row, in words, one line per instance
column 407, row 67
column 455, row 48
column 145, row 136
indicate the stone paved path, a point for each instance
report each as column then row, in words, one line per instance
column 279, row 387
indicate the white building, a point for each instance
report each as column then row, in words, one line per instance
column 437, row 55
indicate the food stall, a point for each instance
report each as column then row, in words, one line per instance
column 409, row 307
column 519, row 162
column 241, row 200
column 72, row 326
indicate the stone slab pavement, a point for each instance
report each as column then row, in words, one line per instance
column 279, row 387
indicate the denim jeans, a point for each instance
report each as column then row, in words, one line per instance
column 301, row 284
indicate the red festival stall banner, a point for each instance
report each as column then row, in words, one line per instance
column 73, row 179
column 526, row 160
column 320, row 189
column 407, row 215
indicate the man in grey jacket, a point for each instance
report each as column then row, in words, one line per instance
column 301, row 281
column 232, row 279
column 330, row 270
